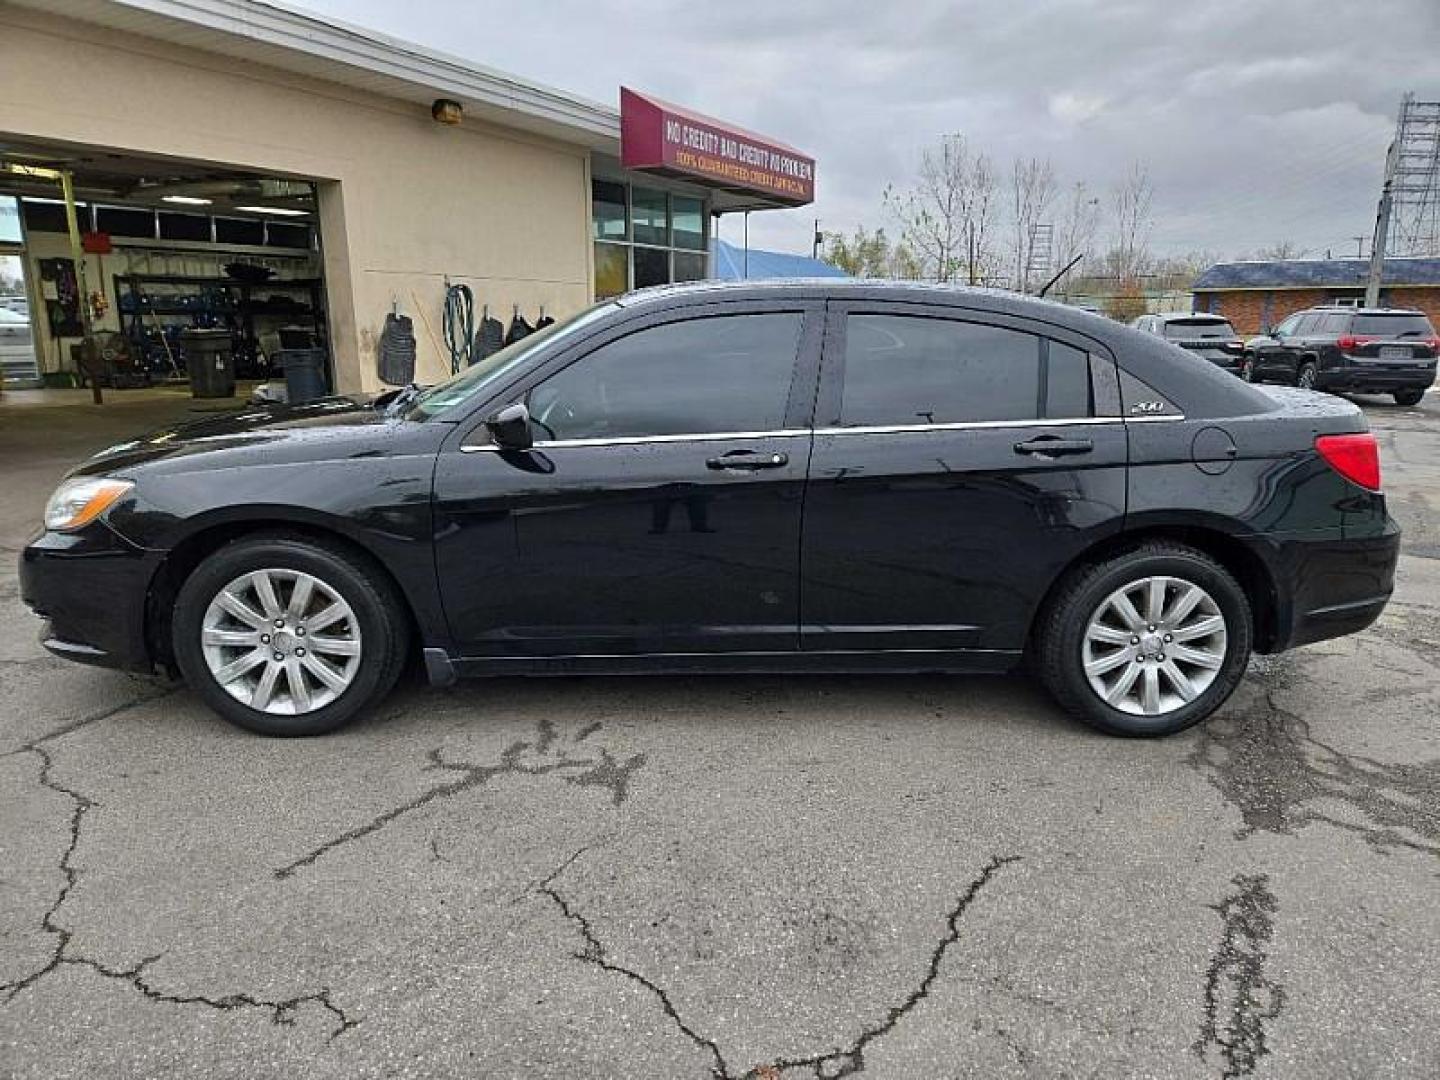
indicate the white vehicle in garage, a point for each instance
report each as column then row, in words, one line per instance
column 17, row 351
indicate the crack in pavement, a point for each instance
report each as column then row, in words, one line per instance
column 1267, row 764
column 87, row 719
column 603, row 772
column 828, row 1065
column 1239, row 998
column 282, row 1012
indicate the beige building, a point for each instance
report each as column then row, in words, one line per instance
column 229, row 131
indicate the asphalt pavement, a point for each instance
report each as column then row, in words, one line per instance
column 724, row 877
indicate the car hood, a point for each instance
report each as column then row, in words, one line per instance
column 328, row 428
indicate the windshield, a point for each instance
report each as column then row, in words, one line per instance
column 462, row 387
column 1199, row 328
column 1408, row 324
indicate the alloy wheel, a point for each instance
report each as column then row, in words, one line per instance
column 1154, row 645
column 281, row 641
column 1306, row 381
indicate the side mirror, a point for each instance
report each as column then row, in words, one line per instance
column 510, row 427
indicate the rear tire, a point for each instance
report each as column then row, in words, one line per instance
column 228, row 622
column 1408, row 397
column 1079, row 629
column 1306, row 376
column 1247, row 369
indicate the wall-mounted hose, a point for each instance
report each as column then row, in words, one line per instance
column 459, row 326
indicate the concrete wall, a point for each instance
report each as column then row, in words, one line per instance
column 403, row 201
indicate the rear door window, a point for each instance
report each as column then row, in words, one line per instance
column 722, row 374
column 903, row 370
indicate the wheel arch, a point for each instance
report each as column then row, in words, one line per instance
column 1239, row 559
column 182, row 559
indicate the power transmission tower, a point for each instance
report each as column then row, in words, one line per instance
column 1407, row 220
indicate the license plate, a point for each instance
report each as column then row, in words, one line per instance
column 1395, row 352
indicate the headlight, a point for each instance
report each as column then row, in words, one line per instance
column 78, row 502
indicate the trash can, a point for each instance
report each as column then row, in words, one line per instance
column 304, row 373
column 209, row 362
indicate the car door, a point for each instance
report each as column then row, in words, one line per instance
column 960, row 461
column 1270, row 353
column 659, row 508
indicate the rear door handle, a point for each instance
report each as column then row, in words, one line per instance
column 749, row 459
column 1054, row 446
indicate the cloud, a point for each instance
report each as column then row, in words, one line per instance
column 1259, row 122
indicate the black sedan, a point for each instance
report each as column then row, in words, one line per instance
column 758, row 477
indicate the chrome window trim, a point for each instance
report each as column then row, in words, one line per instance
column 781, row 433
column 637, row 440
column 984, row 425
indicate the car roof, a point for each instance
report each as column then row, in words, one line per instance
column 1346, row 309
column 1190, row 316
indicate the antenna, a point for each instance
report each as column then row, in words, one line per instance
column 1407, row 219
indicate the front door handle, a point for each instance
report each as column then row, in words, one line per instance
column 748, row 459
column 1054, row 446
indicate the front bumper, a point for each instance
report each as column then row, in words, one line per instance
column 90, row 588
column 1334, row 586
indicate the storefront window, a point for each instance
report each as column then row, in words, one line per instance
column 645, row 236
column 9, row 220
column 612, row 270
column 651, row 217
column 688, row 266
column 609, row 212
column 688, row 223
column 652, row 267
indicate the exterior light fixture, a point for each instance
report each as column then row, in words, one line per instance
column 186, row 200
column 445, row 111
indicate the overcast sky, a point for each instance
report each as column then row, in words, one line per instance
column 1260, row 120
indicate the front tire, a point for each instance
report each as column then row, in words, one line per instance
column 1408, row 397
column 1306, row 377
column 1147, row 642
column 1247, row 369
column 287, row 635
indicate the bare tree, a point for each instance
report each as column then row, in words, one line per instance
column 1079, row 223
column 946, row 217
column 1032, row 187
column 1285, row 249
column 1131, row 201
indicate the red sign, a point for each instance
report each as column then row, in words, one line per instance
column 659, row 137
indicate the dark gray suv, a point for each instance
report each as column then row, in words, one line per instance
column 1364, row 350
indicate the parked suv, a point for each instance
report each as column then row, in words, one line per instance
column 1209, row 336
column 1367, row 350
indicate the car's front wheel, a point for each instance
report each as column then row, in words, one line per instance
column 1408, row 397
column 1306, row 377
column 1247, row 369
column 288, row 635
column 1147, row 642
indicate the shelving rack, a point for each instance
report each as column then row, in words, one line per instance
column 143, row 300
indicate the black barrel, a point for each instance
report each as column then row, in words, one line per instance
column 304, row 373
column 209, row 363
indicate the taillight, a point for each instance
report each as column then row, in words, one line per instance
column 1434, row 344
column 1355, row 457
column 1351, row 341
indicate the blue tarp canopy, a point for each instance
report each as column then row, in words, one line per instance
column 731, row 265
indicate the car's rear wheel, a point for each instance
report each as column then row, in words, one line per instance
column 286, row 635
column 1306, row 376
column 1147, row 642
column 1408, row 397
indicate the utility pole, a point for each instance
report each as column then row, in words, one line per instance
column 1382, row 223
column 816, row 241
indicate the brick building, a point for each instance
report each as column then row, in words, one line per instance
column 1256, row 295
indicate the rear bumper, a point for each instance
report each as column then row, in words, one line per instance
column 90, row 589
column 1335, row 586
column 1375, row 379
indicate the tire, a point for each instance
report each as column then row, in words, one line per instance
column 1306, row 376
column 1408, row 397
column 365, row 644
column 1247, row 369
column 1062, row 642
